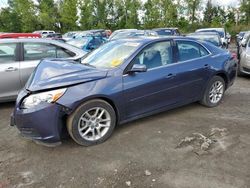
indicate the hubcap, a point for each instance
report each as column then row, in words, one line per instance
column 94, row 124
column 216, row 92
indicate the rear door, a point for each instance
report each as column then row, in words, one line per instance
column 192, row 69
column 9, row 71
column 32, row 54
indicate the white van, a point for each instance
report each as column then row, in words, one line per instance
column 221, row 31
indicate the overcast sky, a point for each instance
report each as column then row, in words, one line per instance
column 233, row 3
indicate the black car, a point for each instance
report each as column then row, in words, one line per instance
column 167, row 31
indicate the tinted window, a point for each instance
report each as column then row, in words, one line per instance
column 190, row 50
column 155, row 55
column 96, row 42
column 64, row 53
column 37, row 51
column 165, row 32
column 7, row 53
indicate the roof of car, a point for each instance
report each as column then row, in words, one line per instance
column 43, row 40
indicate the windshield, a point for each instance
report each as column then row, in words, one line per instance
column 208, row 38
column 241, row 34
column 111, row 54
column 79, row 43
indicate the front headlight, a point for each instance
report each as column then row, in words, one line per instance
column 48, row 96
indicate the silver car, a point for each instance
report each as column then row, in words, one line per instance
column 19, row 57
column 244, row 65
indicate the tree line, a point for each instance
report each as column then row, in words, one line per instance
column 70, row 15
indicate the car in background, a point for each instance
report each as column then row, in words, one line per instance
column 211, row 37
column 95, row 32
column 244, row 61
column 121, row 81
column 167, row 31
column 70, row 35
column 241, row 47
column 19, row 57
column 118, row 31
column 19, row 35
column 44, row 33
column 239, row 37
column 221, row 31
column 133, row 34
column 55, row 36
column 229, row 38
column 87, row 43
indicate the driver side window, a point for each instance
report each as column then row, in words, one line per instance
column 155, row 55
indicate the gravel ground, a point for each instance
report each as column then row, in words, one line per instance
column 158, row 151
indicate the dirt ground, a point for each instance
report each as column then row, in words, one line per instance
column 145, row 153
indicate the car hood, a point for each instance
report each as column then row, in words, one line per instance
column 61, row 73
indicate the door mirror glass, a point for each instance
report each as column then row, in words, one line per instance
column 138, row 68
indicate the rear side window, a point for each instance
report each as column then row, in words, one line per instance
column 7, row 53
column 189, row 50
column 37, row 51
column 64, row 53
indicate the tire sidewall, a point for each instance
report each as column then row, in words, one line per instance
column 72, row 124
column 206, row 99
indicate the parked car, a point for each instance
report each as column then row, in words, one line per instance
column 55, row 36
column 133, row 34
column 241, row 47
column 88, row 43
column 19, row 57
column 228, row 38
column 44, row 33
column 221, row 31
column 19, row 35
column 167, row 31
column 70, row 35
column 96, row 32
column 118, row 31
column 244, row 63
column 121, row 81
column 212, row 37
column 239, row 37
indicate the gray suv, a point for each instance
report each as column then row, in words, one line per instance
column 19, row 57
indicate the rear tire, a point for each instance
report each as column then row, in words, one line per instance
column 214, row 92
column 92, row 123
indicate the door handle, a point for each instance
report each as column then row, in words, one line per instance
column 170, row 75
column 11, row 69
column 206, row 66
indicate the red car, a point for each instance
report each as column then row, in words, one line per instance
column 19, row 35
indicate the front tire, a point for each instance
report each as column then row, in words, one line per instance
column 214, row 92
column 92, row 123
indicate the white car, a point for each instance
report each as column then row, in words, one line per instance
column 221, row 31
column 44, row 33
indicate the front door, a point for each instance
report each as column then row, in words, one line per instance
column 9, row 72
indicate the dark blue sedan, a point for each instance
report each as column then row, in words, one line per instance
column 121, row 81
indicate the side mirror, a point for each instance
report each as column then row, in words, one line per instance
column 138, row 68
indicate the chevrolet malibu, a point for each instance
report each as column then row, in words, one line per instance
column 121, row 81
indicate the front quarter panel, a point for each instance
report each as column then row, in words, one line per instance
column 109, row 88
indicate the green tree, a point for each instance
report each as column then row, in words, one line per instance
column 192, row 7
column 26, row 11
column 68, row 15
column 48, row 14
column 9, row 21
column 245, row 10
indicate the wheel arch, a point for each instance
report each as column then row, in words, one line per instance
column 101, row 97
column 224, row 76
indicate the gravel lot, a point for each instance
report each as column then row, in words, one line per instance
column 143, row 153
